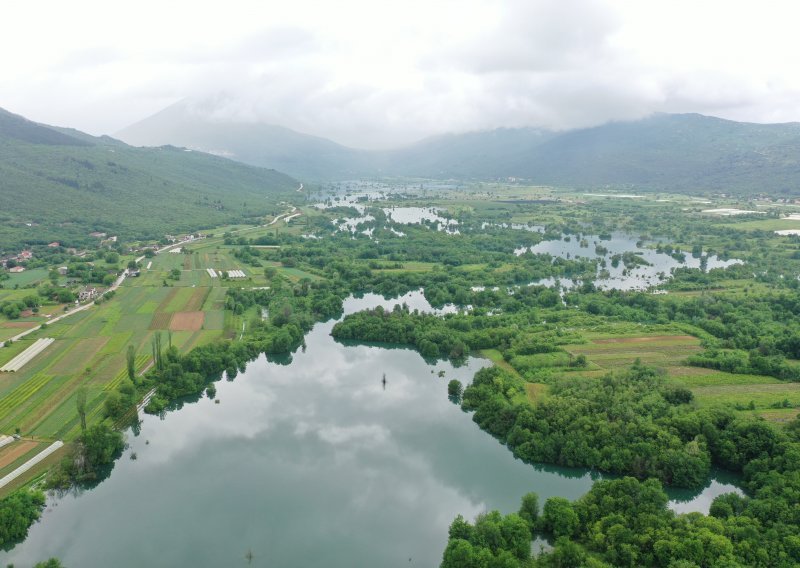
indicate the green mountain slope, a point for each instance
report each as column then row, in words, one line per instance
column 265, row 145
column 58, row 186
column 675, row 152
column 687, row 152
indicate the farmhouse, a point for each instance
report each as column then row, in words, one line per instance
column 87, row 294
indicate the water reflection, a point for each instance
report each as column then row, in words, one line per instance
column 417, row 215
column 645, row 267
column 299, row 462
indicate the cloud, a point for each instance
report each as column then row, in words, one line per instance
column 537, row 37
column 374, row 75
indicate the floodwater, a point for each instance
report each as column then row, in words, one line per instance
column 305, row 461
column 657, row 269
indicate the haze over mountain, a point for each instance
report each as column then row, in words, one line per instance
column 61, row 178
column 676, row 152
column 191, row 124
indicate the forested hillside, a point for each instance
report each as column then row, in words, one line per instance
column 688, row 153
column 57, row 184
column 266, row 145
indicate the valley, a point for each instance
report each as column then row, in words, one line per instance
column 551, row 290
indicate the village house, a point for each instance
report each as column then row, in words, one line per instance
column 17, row 269
column 54, row 244
column 25, row 255
column 87, row 294
column 62, row 270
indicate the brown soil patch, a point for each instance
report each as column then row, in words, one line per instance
column 20, row 324
column 187, row 321
column 14, row 451
column 646, row 339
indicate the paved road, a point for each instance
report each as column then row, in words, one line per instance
column 117, row 283
column 279, row 217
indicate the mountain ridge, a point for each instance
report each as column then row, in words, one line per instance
column 59, row 184
column 670, row 152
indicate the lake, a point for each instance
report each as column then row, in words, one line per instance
column 305, row 462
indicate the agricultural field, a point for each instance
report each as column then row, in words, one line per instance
column 23, row 279
column 177, row 298
column 767, row 225
column 769, row 397
column 90, row 346
column 665, row 351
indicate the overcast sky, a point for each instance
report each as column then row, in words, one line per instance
column 375, row 74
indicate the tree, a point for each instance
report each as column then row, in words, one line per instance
column 157, row 350
column 100, row 444
column 51, row 563
column 567, row 554
column 80, row 401
column 130, row 358
column 516, row 535
column 529, row 510
column 18, row 511
column 559, row 518
column 455, row 389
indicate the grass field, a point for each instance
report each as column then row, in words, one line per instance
column 22, row 279
column 606, row 353
column 91, row 346
column 745, row 393
column 535, row 392
column 766, row 225
column 762, row 396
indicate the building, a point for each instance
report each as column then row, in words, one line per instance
column 87, row 294
column 17, row 269
column 62, row 270
column 54, row 244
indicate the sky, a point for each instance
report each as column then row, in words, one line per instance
column 377, row 74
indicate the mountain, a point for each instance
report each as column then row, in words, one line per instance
column 186, row 124
column 481, row 155
column 61, row 184
column 671, row 152
column 677, row 152
column 674, row 152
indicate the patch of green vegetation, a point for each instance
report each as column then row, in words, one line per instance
column 51, row 190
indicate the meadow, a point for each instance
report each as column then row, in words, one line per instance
column 90, row 347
